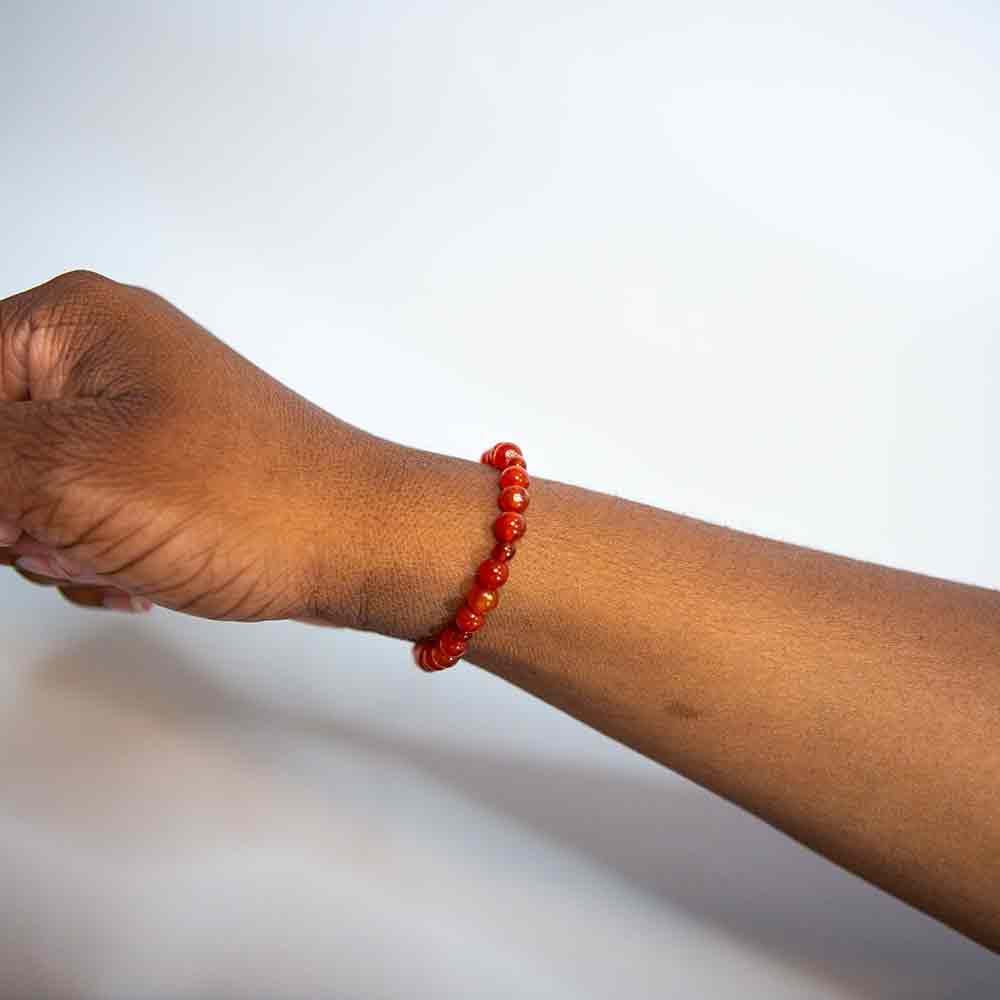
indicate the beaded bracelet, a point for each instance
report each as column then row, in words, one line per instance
column 448, row 647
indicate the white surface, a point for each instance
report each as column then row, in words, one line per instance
column 737, row 260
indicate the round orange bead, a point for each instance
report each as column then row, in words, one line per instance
column 509, row 527
column 503, row 551
column 444, row 650
column 514, row 475
column 452, row 642
column 467, row 620
column 440, row 659
column 504, row 454
column 481, row 600
column 492, row 574
column 513, row 498
column 424, row 657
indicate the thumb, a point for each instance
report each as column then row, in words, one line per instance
column 44, row 328
column 46, row 432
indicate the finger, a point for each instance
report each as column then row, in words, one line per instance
column 43, row 445
column 43, row 561
column 37, row 578
column 28, row 546
column 43, row 421
column 90, row 595
column 15, row 334
column 84, row 597
column 129, row 603
column 33, row 323
column 32, row 435
column 105, row 599
column 9, row 533
column 50, row 578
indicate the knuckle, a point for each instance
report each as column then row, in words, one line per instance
column 80, row 279
column 70, row 335
column 74, row 297
column 43, row 304
column 71, row 300
column 46, row 332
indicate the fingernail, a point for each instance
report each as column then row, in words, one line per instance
column 36, row 564
column 130, row 605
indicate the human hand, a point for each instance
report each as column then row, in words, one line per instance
column 143, row 461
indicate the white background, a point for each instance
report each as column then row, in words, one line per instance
column 738, row 260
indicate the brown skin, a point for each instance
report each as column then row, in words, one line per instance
column 138, row 449
column 855, row 707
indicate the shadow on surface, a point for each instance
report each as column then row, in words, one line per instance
column 667, row 837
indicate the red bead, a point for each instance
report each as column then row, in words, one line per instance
column 514, row 475
column 513, row 498
column 467, row 620
column 481, row 600
column 438, row 652
column 452, row 642
column 423, row 657
column 509, row 527
column 503, row 551
column 504, row 454
column 492, row 574
column 440, row 659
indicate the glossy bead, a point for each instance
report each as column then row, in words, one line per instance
column 513, row 498
column 509, row 527
column 504, row 454
column 423, row 657
column 503, row 551
column 492, row 574
column 481, row 600
column 440, row 659
column 434, row 653
column 467, row 620
column 452, row 642
column 514, row 475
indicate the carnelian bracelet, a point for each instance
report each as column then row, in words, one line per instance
column 448, row 647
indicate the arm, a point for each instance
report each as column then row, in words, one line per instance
column 854, row 707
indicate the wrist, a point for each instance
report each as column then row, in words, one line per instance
column 350, row 486
column 424, row 526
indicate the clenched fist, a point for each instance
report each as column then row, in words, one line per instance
column 143, row 461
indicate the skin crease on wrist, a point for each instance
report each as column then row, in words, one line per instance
column 853, row 706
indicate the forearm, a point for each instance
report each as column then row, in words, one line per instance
column 855, row 707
